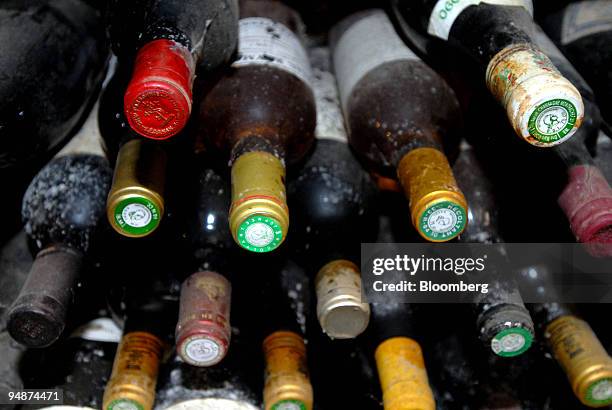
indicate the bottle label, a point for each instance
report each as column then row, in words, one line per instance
column 367, row 44
column 137, row 216
column 585, row 18
column 330, row 122
column 202, row 350
column 442, row 220
column 511, row 342
column 266, row 42
column 445, row 12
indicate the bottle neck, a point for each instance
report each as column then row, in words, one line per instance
column 402, row 374
column 135, row 204
column 584, row 360
column 38, row 316
column 437, row 205
column 286, row 381
column 135, row 369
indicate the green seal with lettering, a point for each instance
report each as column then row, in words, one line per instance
column 124, row 404
column 260, row 234
column 442, row 221
column 553, row 120
column 137, row 216
column 600, row 393
column 289, row 405
column 512, row 342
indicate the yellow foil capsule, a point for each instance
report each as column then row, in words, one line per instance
column 259, row 217
column 135, row 204
column 584, row 360
column 287, row 384
column 132, row 382
column 437, row 205
column 403, row 377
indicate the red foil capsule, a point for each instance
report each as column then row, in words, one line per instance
column 203, row 330
column 158, row 99
column 587, row 202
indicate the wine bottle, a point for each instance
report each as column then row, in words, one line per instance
column 399, row 358
column 543, row 107
column 332, row 190
column 572, row 342
column 502, row 320
column 583, row 31
column 395, row 129
column 135, row 203
column 61, row 211
column 136, row 366
column 286, row 377
column 60, row 60
column 586, row 199
column 203, row 329
column 574, row 181
column 168, row 42
column 262, row 112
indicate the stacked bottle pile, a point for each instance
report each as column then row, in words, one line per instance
column 202, row 250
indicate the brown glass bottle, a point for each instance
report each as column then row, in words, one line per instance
column 399, row 112
column 262, row 112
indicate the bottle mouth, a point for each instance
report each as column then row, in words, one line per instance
column 441, row 216
column 33, row 326
column 202, row 348
column 158, row 101
column 124, row 404
column 587, row 203
column 133, row 213
column 551, row 120
column 599, row 392
column 511, row 342
column 259, row 225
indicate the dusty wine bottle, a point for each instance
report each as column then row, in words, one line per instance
column 502, row 320
column 170, row 40
column 62, row 209
column 135, row 369
column 61, row 48
column 586, row 199
column 261, row 134
column 203, row 329
column 135, row 203
column 572, row 342
column 543, row 107
column 583, row 30
column 332, row 190
column 390, row 129
column 286, row 377
column 399, row 358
